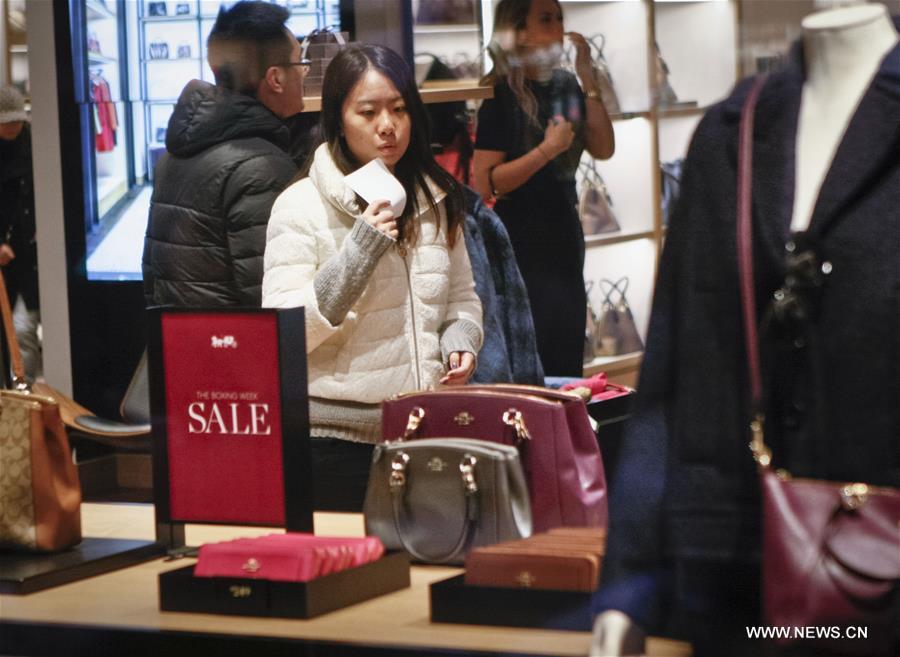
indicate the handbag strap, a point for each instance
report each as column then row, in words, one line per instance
column 398, row 493
column 761, row 453
column 620, row 286
column 15, row 355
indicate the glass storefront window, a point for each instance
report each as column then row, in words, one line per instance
column 144, row 52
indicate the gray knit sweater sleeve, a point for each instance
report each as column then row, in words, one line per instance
column 460, row 335
column 343, row 277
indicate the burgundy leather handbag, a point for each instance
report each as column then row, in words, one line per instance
column 831, row 550
column 558, row 447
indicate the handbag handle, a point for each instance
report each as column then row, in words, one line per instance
column 332, row 30
column 593, row 177
column 398, row 488
column 614, row 287
column 761, row 454
column 511, row 418
column 15, row 355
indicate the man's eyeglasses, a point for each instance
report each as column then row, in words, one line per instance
column 304, row 65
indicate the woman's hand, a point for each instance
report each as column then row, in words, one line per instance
column 584, row 64
column 7, row 255
column 461, row 364
column 380, row 216
column 557, row 137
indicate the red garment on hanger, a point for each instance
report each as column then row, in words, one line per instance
column 105, row 112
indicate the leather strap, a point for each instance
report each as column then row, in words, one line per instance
column 398, row 493
column 12, row 341
column 745, row 240
column 620, row 286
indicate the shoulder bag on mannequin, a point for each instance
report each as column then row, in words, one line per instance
column 831, row 550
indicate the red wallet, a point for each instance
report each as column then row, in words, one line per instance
column 291, row 557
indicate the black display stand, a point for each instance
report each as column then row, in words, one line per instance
column 179, row 590
column 454, row 602
column 22, row 573
column 611, row 415
column 178, row 341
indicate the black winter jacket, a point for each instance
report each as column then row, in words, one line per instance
column 686, row 486
column 226, row 163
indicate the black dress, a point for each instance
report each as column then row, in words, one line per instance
column 541, row 216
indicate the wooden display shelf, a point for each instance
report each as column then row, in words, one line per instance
column 445, row 29
column 120, row 612
column 96, row 59
column 627, row 116
column 617, row 238
column 620, row 369
column 437, row 91
column 170, row 19
column 678, row 112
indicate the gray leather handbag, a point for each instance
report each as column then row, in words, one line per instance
column 437, row 498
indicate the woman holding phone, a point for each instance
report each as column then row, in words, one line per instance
column 390, row 301
column 530, row 139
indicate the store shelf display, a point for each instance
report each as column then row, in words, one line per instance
column 645, row 44
column 102, row 50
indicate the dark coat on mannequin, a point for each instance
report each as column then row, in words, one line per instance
column 686, row 487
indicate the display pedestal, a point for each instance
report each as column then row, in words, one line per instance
column 452, row 601
column 22, row 573
column 611, row 415
column 179, row 590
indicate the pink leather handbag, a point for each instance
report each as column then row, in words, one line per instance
column 551, row 429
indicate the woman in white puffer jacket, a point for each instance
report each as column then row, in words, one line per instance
column 390, row 301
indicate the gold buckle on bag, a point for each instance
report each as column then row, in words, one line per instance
column 854, row 496
column 398, row 471
column 513, row 418
column 416, row 415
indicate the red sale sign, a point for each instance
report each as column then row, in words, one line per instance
column 224, row 425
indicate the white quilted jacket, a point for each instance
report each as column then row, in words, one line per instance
column 389, row 342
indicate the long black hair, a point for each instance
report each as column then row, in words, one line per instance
column 417, row 163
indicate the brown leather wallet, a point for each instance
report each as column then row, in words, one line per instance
column 533, row 568
column 563, row 561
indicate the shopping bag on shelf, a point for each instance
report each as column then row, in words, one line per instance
column 608, row 94
column 595, row 204
column 601, row 73
column 446, row 12
column 665, row 95
column 617, row 333
column 319, row 47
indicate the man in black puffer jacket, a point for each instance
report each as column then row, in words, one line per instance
column 225, row 164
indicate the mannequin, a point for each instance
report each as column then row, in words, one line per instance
column 843, row 49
